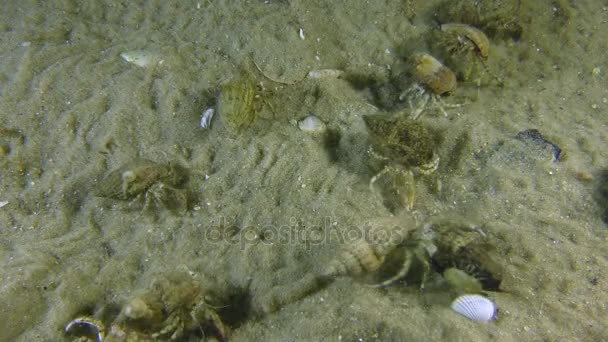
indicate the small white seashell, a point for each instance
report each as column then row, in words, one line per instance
column 475, row 307
column 140, row 58
column 311, row 124
column 301, row 33
column 325, row 73
column 3, row 203
column 206, row 117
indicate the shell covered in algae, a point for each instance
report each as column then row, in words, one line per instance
column 499, row 19
column 431, row 73
column 469, row 37
column 464, row 48
column 400, row 140
column 236, row 104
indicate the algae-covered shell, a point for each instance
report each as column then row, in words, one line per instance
column 433, row 74
column 235, row 104
column 400, row 140
column 474, row 307
column 469, row 33
column 462, row 281
column 501, row 19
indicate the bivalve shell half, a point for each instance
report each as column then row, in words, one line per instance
column 475, row 307
column 86, row 328
column 206, row 117
column 312, row 124
column 141, row 58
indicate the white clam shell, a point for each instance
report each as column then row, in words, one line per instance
column 206, row 117
column 312, row 124
column 140, row 58
column 324, row 73
column 475, row 307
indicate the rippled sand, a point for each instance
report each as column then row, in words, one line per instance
column 87, row 86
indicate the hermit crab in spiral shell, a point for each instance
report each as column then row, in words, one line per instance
column 395, row 250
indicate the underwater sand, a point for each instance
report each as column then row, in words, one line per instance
column 72, row 110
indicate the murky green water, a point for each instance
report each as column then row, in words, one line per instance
column 240, row 245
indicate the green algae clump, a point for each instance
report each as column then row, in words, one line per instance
column 400, row 140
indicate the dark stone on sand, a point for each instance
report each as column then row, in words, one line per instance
column 534, row 138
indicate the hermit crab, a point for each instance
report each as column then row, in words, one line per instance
column 432, row 79
column 142, row 180
column 394, row 249
column 465, row 49
column 461, row 252
column 174, row 308
column 400, row 148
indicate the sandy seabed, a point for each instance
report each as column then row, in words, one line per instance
column 89, row 86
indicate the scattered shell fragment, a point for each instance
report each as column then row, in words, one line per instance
column 86, row 327
column 206, row 117
column 475, row 307
column 3, row 203
column 139, row 57
column 433, row 74
column 312, row 124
